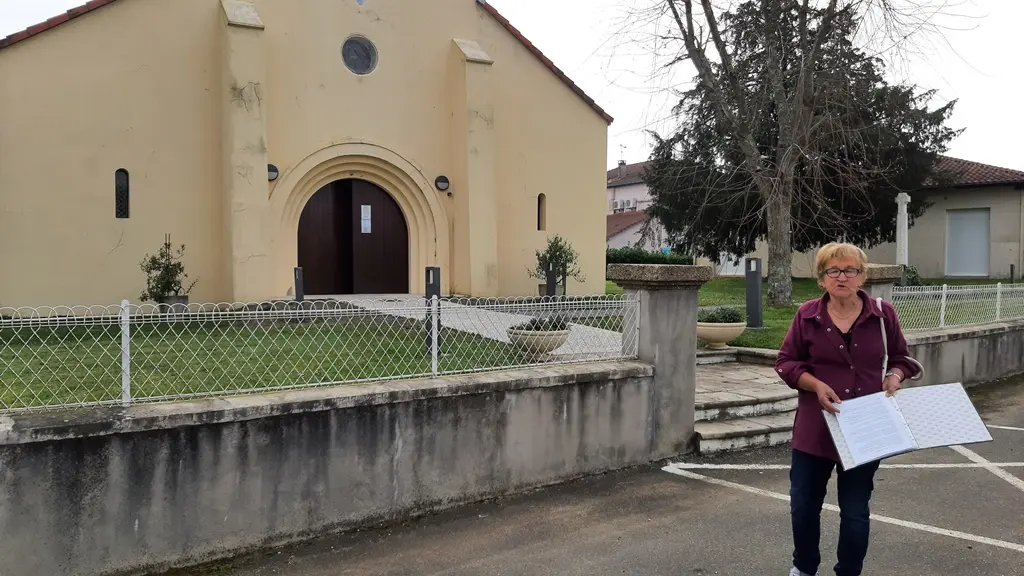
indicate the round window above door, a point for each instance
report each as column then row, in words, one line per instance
column 359, row 55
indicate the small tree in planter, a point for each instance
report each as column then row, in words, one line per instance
column 720, row 325
column 560, row 255
column 165, row 276
column 539, row 336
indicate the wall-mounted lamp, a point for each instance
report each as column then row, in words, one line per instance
column 272, row 172
column 442, row 183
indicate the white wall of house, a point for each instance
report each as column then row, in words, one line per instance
column 632, row 237
column 638, row 193
column 970, row 232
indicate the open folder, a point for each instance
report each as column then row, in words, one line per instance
column 877, row 426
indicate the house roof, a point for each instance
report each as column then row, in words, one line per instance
column 620, row 221
column 626, row 174
column 971, row 174
column 95, row 4
column 968, row 174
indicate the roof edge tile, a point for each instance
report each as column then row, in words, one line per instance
column 544, row 59
column 53, row 22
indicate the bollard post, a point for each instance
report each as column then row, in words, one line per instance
column 300, row 290
column 755, row 304
column 552, row 280
column 432, row 321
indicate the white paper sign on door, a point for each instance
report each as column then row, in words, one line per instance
column 365, row 219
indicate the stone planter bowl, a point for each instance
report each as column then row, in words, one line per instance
column 717, row 335
column 537, row 342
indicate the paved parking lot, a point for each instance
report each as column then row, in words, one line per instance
column 938, row 512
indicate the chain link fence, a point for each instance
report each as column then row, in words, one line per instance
column 102, row 355
column 931, row 307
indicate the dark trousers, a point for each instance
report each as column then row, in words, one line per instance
column 809, row 476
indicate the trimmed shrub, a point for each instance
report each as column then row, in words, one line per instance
column 633, row 255
column 913, row 278
column 719, row 315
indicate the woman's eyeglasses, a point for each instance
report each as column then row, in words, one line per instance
column 848, row 272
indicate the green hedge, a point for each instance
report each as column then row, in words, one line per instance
column 640, row 256
column 913, row 278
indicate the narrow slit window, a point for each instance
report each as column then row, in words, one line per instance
column 121, row 193
column 542, row 209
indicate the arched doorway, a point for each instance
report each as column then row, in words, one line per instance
column 353, row 239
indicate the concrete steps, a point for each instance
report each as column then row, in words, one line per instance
column 741, row 433
column 730, row 406
column 740, row 405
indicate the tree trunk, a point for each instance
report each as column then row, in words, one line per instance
column 780, row 251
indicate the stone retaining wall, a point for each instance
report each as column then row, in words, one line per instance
column 158, row 486
column 970, row 354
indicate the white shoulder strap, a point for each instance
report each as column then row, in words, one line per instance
column 885, row 347
column 885, row 341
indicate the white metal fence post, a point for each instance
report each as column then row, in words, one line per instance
column 636, row 322
column 434, row 310
column 999, row 299
column 126, row 357
column 942, row 308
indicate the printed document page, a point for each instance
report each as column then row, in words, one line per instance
column 941, row 415
column 873, row 428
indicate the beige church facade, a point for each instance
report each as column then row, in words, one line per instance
column 363, row 140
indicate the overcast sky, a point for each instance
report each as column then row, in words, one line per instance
column 604, row 51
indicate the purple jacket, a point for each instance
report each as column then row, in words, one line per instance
column 813, row 344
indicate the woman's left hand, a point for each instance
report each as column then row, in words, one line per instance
column 891, row 384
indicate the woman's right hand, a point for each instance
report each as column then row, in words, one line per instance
column 827, row 397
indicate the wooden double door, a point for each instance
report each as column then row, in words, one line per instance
column 353, row 239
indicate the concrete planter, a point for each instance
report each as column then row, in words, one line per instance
column 717, row 335
column 537, row 343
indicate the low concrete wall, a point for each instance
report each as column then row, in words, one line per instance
column 966, row 354
column 969, row 354
column 160, row 486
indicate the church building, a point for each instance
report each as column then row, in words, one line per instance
column 361, row 140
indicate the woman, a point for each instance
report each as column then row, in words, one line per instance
column 834, row 352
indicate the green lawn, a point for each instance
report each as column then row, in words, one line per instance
column 962, row 281
column 45, row 367
column 776, row 324
column 733, row 291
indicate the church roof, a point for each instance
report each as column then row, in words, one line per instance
column 96, row 4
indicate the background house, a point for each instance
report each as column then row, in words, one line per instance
column 363, row 143
column 626, row 218
column 974, row 228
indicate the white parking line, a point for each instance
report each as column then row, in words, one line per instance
column 696, row 466
column 993, row 468
column 673, row 469
column 1006, row 428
